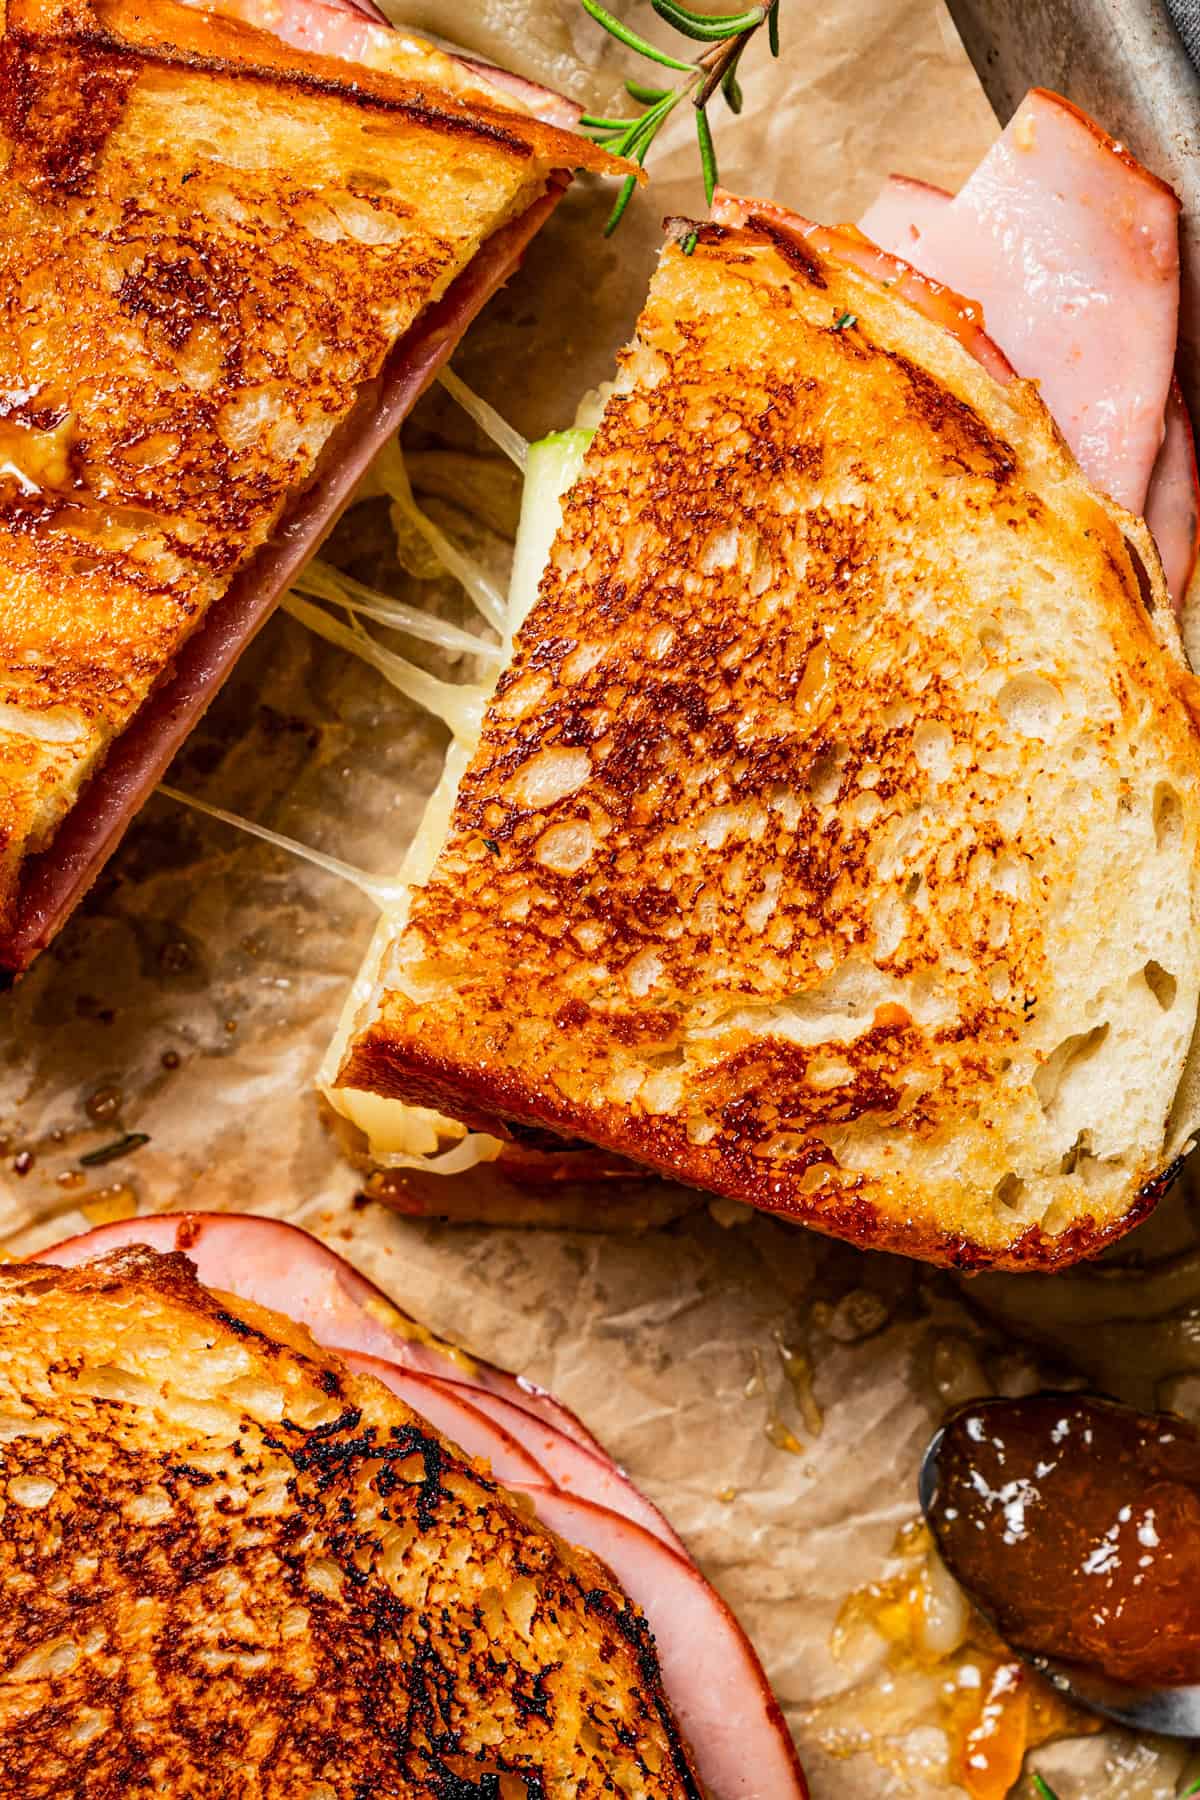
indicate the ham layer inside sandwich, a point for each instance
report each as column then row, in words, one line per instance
column 1071, row 249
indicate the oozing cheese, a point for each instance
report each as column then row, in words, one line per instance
column 400, row 1135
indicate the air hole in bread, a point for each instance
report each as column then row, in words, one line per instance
column 1009, row 1191
column 1168, row 816
column 720, row 551
column 762, row 565
column 33, row 1491
column 84, row 1727
column 1078, row 1154
column 1161, row 984
column 932, row 747
column 1052, row 1078
column 1032, row 705
column 368, row 181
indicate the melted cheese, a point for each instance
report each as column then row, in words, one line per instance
column 400, row 1135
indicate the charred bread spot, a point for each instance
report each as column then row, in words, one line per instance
column 1145, row 587
column 957, row 426
column 58, row 105
column 795, row 252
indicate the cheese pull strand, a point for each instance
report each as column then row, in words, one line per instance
column 392, row 476
column 318, row 581
column 459, row 704
column 388, row 893
column 486, row 417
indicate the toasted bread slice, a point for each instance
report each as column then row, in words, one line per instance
column 212, row 241
column 231, row 1567
column 832, row 842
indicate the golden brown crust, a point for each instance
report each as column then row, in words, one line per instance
column 230, row 1568
column 211, row 243
column 844, row 796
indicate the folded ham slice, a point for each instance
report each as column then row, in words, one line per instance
column 713, row 1679
column 1063, row 312
column 1173, row 503
column 1072, row 248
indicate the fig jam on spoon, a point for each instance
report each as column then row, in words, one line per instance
column 1073, row 1523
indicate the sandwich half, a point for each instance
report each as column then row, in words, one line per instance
column 239, row 1562
column 831, row 839
column 229, row 266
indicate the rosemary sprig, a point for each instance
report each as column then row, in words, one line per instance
column 725, row 36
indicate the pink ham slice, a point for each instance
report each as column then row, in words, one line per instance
column 571, row 1468
column 57, row 879
column 1073, row 250
column 456, row 1416
column 900, row 214
column 847, row 244
column 322, row 27
column 716, row 1684
column 1173, row 503
column 280, row 1266
column 898, row 219
column 350, row 29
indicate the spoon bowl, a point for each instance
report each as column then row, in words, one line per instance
column 1166, row 1709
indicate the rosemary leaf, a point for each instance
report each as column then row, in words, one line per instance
column 725, row 35
column 1043, row 1789
column 708, row 154
column 618, row 211
column 646, row 96
column 624, row 36
column 689, row 243
column 705, row 28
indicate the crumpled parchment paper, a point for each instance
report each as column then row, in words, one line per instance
column 770, row 1390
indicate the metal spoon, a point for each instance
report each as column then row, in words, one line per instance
column 1169, row 1711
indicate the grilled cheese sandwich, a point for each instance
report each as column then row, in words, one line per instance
column 831, row 838
column 229, row 265
column 232, row 1565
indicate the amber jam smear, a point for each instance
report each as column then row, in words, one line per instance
column 1075, row 1524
